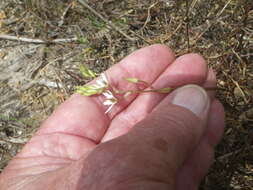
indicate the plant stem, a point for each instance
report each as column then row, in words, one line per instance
column 161, row 90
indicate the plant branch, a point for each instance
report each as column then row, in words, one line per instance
column 37, row 41
column 161, row 90
column 61, row 22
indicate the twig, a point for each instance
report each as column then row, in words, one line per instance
column 173, row 33
column 140, row 37
column 193, row 5
column 82, row 2
column 239, row 88
column 223, row 9
column 245, row 23
column 221, row 158
column 148, row 17
column 187, row 25
column 37, row 41
column 243, row 63
column 61, row 22
column 43, row 63
column 15, row 140
column 63, row 86
column 212, row 23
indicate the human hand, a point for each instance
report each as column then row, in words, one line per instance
column 147, row 141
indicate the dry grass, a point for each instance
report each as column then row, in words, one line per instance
column 36, row 78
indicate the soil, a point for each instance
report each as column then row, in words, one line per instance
column 35, row 78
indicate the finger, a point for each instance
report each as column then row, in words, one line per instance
column 56, row 145
column 196, row 167
column 178, row 123
column 152, row 152
column 210, row 83
column 187, row 69
column 85, row 116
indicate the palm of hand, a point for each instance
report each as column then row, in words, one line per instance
column 76, row 142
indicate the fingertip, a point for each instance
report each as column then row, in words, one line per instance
column 153, row 54
column 196, row 59
column 211, row 78
column 163, row 49
column 189, row 68
column 216, row 123
column 210, row 83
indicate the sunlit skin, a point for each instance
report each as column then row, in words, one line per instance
column 144, row 142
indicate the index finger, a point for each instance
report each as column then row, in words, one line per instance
column 85, row 116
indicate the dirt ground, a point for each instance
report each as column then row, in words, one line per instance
column 35, row 78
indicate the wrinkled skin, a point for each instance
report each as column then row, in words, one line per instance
column 145, row 142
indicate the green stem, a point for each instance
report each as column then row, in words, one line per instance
column 161, row 90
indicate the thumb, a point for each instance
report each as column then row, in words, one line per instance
column 176, row 124
column 152, row 152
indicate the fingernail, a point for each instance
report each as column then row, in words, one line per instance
column 193, row 98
